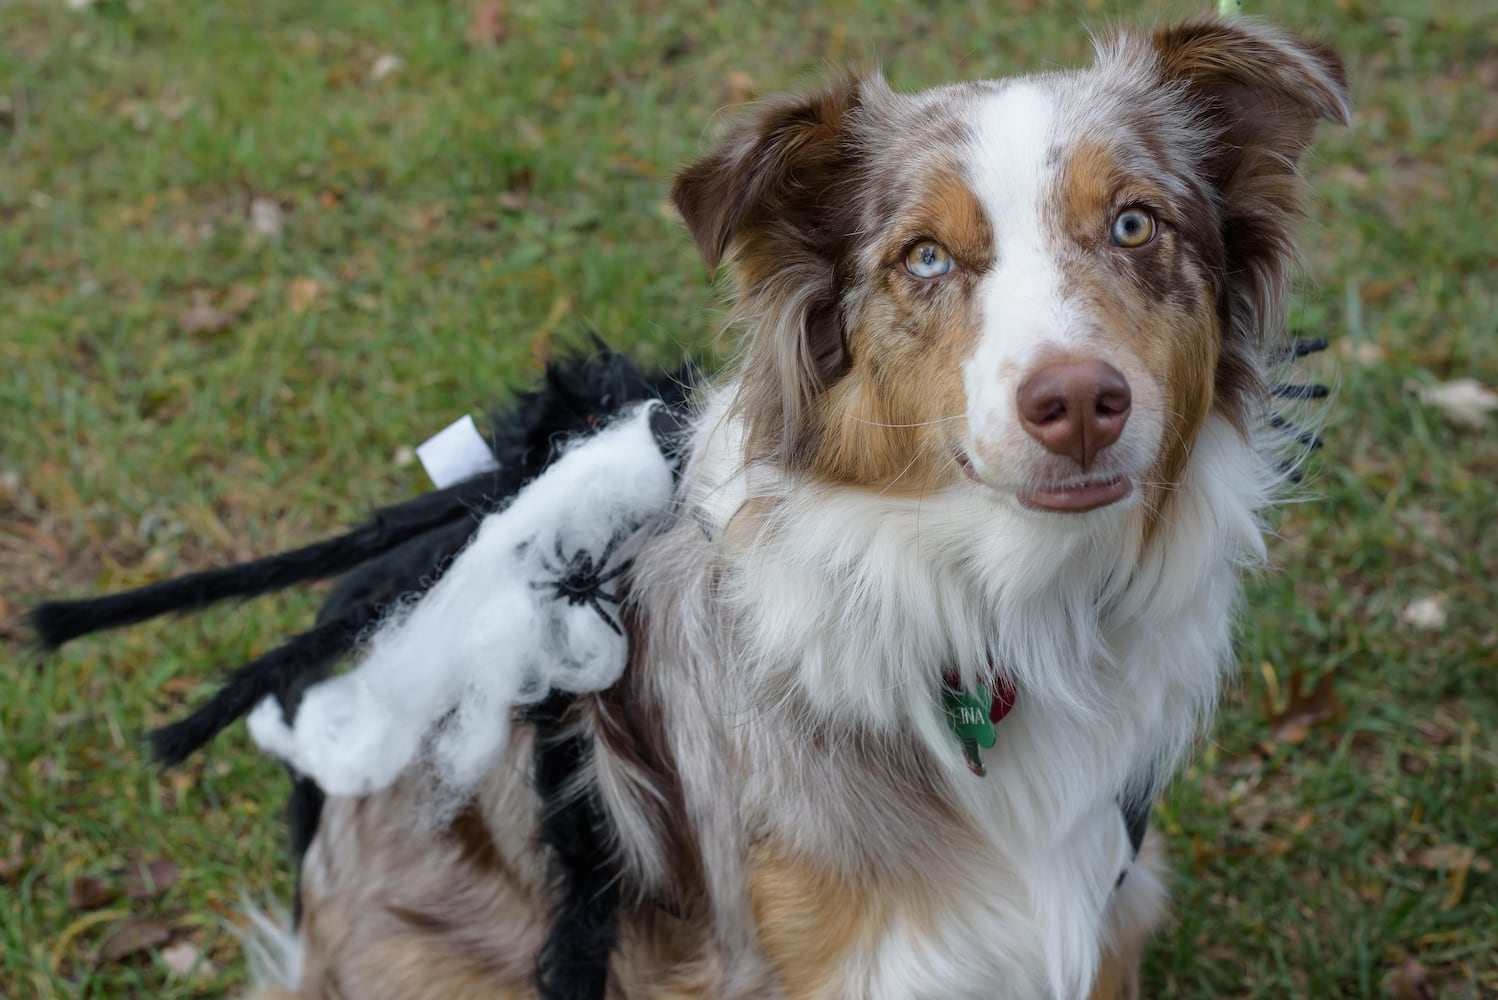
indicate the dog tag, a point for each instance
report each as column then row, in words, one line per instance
column 968, row 715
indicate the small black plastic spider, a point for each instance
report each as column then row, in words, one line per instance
column 580, row 579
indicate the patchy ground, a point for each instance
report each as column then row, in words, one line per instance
column 250, row 251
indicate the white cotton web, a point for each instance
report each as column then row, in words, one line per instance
column 502, row 627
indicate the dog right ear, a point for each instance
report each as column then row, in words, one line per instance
column 780, row 197
column 774, row 172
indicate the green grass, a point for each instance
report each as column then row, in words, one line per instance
column 465, row 215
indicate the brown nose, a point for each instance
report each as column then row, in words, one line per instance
column 1075, row 408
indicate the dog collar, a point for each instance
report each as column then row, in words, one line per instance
column 973, row 712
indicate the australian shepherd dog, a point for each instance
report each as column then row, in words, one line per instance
column 949, row 583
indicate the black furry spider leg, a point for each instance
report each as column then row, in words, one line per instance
column 574, row 961
column 277, row 672
column 56, row 622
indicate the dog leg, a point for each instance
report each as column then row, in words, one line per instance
column 1137, row 910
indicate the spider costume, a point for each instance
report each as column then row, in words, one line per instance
column 390, row 565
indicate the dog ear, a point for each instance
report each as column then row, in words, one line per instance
column 780, row 196
column 771, row 170
column 1263, row 88
column 1257, row 94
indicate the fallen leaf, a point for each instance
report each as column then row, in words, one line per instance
column 1411, row 983
column 87, row 892
column 1428, row 613
column 301, row 293
column 740, row 87
column 1448, row 857
column 203, row 317
column 134, row 937
column 1464, row 402
column 512, row 201
column 1251, row 814
column 150, row 879
column 385, row 65
column 267, row 218
column 1360, row 351
column 517, row 192
column 12, row 863
column 1433, row 732
column 1304, row 708
column 488, row 26
column 240, row 297
column 184, row 959
column 1428, row 524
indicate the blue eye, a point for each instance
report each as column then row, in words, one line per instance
column 928, row 259
column 1133, row 227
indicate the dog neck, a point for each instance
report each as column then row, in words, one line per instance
column 861, row 601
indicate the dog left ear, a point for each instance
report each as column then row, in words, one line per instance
column 1265, row 88
column 1257, row 94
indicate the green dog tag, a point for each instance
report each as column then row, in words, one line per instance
column 968, row 715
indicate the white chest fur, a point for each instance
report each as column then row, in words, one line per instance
column 857, row 603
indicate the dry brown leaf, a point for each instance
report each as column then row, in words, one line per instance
column 267, row 217
column 1427, row 613
column 203, row 317
column 12, row 862
column 1411, row 983
column 11, row 626
column 1433, row 732
column 1465, row 402
column 489, row 25
column 1251, row 813
column 134, row 937
column 384, row 65
column 1448, row 857
column 240, row 297
column 1304, row 709
column 740, row 87
column 1362, row 352
column 185, row 959
column 87, row 892
column 301, row 293
column 149, row 879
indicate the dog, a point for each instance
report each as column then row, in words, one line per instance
column 949, row 583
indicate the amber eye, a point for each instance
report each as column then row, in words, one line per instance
column 928, row 259
column 1133, row 227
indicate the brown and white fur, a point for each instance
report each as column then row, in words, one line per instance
column 872, row 499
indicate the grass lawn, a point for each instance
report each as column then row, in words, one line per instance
column 250, row 251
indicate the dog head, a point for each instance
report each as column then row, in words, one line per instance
column 1044, row 285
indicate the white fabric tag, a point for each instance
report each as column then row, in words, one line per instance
column 455, row 453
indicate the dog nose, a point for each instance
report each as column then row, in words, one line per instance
column 1075, row 408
